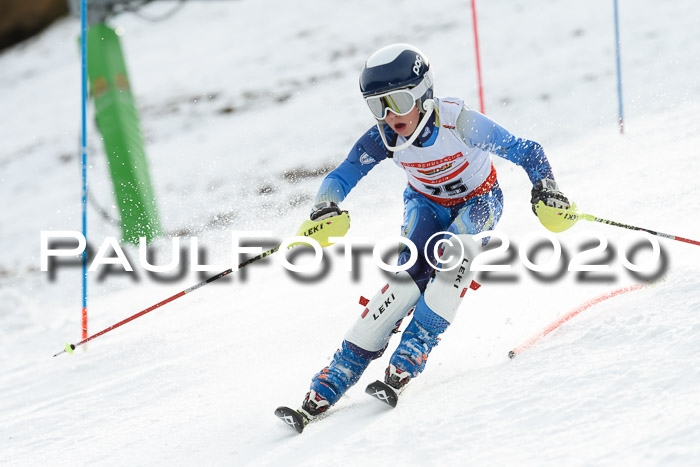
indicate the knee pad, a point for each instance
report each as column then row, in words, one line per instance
column 445, row 291
column 384, row 313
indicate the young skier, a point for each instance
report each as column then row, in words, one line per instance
column 444, row 147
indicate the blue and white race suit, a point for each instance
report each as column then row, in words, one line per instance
column 452, row 183
column 452, row 186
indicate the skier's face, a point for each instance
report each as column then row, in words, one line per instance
column 404, row 125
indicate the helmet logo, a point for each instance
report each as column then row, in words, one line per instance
column 417, row 64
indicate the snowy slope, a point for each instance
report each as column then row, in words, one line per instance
column 245, row 105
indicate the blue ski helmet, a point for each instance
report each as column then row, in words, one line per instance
column 397, row 66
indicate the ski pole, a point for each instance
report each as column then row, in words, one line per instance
column 592, row 218
column 321, row 231
column 558, row 220
column 71, row 347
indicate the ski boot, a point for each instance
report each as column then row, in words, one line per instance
column 329, row 384
column 411, row 355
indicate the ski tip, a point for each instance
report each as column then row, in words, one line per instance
column 383, row 392
column 511, row 354
column 291, row 417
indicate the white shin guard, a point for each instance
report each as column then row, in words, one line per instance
column 383, row 313
column 444, row 292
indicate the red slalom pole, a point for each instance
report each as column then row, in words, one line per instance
column 584, row 306
column 478, row 58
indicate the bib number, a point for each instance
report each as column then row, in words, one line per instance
column 453, row 188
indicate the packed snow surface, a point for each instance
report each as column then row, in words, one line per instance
column 245, row 106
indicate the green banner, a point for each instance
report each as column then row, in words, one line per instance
column 118, row 122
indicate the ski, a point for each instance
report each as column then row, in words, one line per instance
column 293, row 418
column 298, row 419
column 383, row 392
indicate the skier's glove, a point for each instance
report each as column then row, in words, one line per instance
column 547, row 191
column 324, row 210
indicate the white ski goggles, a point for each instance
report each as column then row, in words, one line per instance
column 400, row 101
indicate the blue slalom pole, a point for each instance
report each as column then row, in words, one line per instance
column 619, row 72
column 83, row 53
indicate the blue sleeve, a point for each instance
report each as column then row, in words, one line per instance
column 479, row 131
column 367, row 152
